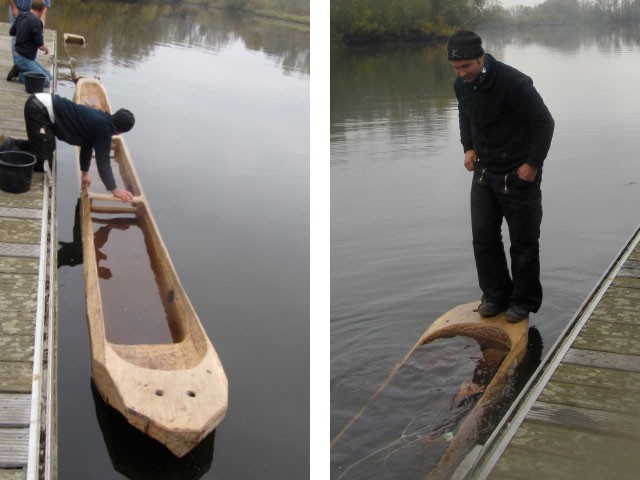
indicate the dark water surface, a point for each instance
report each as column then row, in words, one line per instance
column 221, row 145
column 401, row 251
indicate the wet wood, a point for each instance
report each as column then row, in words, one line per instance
column 73, row 38
column 175, row 392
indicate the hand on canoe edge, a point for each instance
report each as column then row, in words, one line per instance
column 124, row 195
column 86, row 180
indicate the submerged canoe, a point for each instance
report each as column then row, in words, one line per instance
column 503, row 344
column 73, row 38
column 175, row 391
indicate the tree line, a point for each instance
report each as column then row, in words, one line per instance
column 366, row 21
column 370, row 21
column 565, row 12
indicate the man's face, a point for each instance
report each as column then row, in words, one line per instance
column 468, row 70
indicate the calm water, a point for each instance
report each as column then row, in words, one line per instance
column 400, row 226
column 221, row 145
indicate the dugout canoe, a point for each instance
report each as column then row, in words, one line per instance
column 73, row 38
column 492, row 334
column 174, row 391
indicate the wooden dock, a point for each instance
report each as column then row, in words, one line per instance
column 28, row 296
column 579, row 415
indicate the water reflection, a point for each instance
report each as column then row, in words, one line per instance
column 70, row 253
column 568, row 41
column 139, row 457
column 100, row 238
column 116, row 34
column 403, row 94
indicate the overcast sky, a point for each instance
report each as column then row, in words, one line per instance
column 513, row 3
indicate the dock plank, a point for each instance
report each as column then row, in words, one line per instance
column 591, row 397
column 13, row 474
column 18, row 323
column 16, row 348
column 15, row 410
column 525, row 464
column 603, row 360
column 19, row 265
column 14, row 444
column 14, row 230
column 16, row 377
column 576, row 444
column 609, row 336
column 586, row 420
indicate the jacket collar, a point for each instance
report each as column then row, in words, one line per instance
column 487, row 77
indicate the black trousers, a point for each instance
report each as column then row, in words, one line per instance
column 39, row 131
column 498, row 196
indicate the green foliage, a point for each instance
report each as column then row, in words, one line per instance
column 369, row 21
column 358, row 21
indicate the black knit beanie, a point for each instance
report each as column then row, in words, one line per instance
column 123, row 120
column 464, row 45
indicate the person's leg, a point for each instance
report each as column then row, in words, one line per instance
column 522, row 204
column 11, row 22
column 39, row 132
column 30, row 66
column 488, row 248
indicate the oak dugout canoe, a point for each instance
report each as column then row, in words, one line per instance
column 174, row 392
column 493, row 334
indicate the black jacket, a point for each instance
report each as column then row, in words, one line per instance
column 503, row 118
column 28, row 31
column 88, row 128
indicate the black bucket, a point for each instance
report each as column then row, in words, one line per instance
column 16, row 170
column 34, row 82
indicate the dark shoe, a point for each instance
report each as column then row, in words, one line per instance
column 13, row 73
column 515, row 314
column 489, row 309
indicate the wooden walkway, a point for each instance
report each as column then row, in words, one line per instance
column 579, row 415
column 28, row 293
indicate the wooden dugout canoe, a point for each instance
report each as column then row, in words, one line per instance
column 493, row 335
column 174, row 392
column 73, row 38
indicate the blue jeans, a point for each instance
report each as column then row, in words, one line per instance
column 498, row 196
column 25, row 65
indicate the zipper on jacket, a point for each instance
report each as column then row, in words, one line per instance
column 482, row 174
column 505, row 181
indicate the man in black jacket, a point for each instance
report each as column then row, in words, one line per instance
column 505, row 131
column 48, row 115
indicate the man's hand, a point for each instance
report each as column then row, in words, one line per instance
column 469, row 158
column 86, row 180
column 15, row 11
column 527, row 173
column 123, row 195
column 45, row 49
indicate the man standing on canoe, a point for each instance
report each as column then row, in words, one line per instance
column 49, row 115
column 505, row 131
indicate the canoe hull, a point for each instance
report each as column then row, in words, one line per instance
column 503, row 345
column 176, row 393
